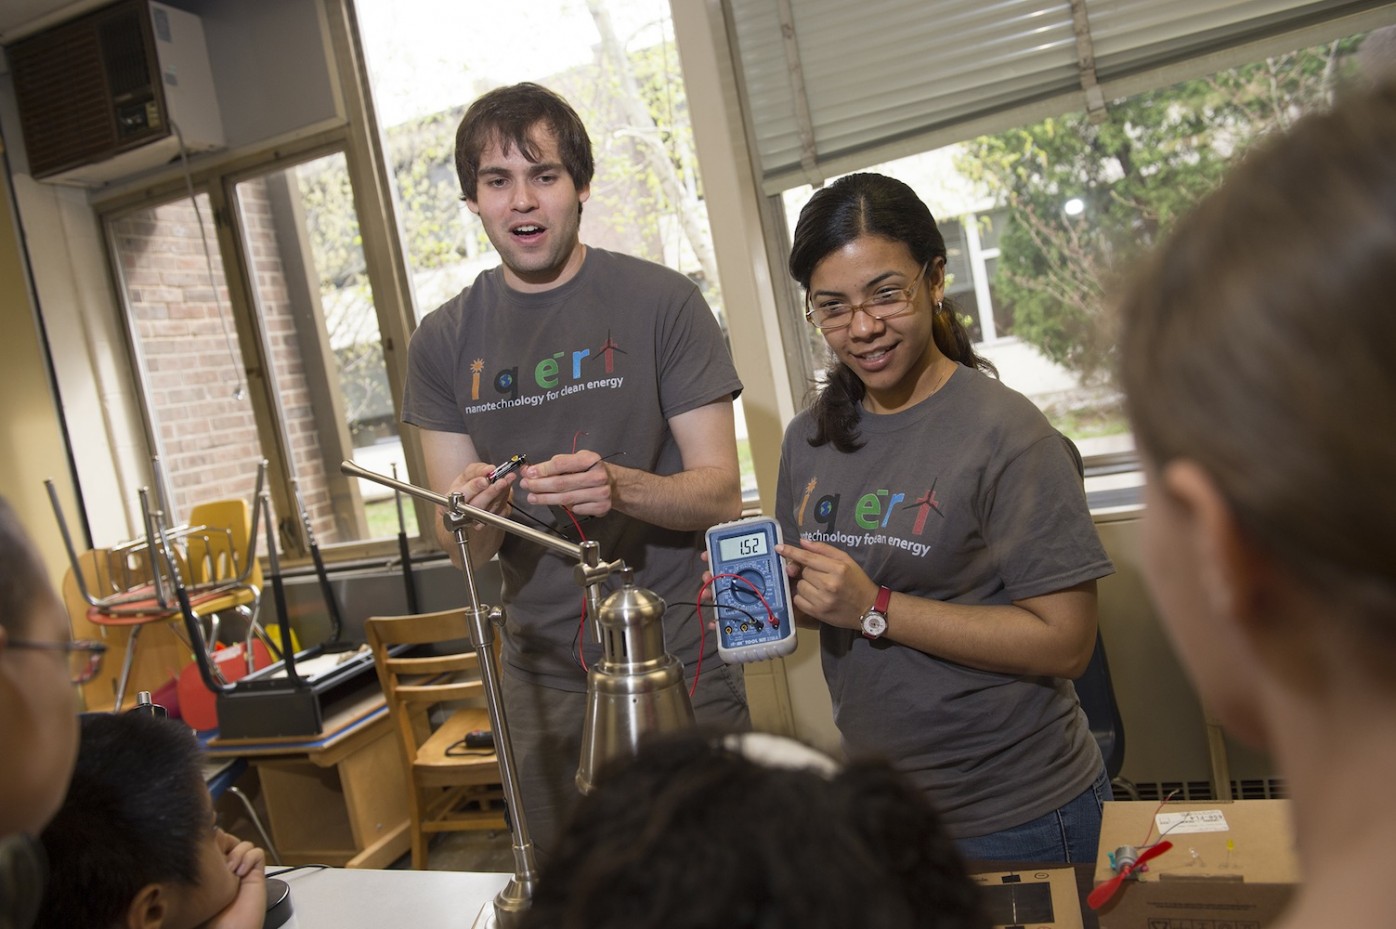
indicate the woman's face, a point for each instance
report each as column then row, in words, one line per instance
column 895, row 358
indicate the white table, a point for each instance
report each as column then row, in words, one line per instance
column 343, row 898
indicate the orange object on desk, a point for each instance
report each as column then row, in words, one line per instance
column 198, row 706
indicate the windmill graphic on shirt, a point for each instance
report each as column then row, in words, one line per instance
column 608, row 350
column 926, row 503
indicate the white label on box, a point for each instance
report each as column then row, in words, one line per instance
column 1191, row 821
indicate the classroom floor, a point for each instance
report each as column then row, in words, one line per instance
column 467, row 851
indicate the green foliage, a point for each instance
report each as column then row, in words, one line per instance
column 438, row 231
column 1151, row 158
column 382, row 519
column 636, row 113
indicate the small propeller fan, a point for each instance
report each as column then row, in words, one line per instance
column 1126, row 863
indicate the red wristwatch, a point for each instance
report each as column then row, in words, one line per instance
column 875, row 619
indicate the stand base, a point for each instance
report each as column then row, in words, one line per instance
column 485, row 918
column 278, row 903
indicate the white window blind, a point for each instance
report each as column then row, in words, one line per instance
column 831, row 86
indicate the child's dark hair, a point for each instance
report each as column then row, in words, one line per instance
column 136, row 814
column 693, row 833
column 23, row 579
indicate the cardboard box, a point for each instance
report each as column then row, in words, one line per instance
column 1232, row 864
column 1030, row 898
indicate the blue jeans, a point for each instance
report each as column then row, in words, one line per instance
column 1069, row 833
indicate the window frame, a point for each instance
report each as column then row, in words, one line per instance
column 218, row 180
column 824, row 98
column 1186, row 60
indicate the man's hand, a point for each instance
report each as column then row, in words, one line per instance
column 580, row 481
column 473, row 484
column 453, row 466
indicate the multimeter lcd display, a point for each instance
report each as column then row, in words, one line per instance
column 743, row 546
column 751, row 594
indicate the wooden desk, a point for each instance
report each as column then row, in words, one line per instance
column 339, row 798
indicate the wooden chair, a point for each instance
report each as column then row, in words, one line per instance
column 448, row 790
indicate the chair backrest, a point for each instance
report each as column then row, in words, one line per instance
column 412, row 682
column 102, row 576
column 219, row 550
column 1097, row 695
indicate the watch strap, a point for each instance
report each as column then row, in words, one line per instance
column 884, row 597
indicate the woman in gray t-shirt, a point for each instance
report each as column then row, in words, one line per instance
column 945, row 550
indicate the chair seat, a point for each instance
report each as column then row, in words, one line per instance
column 432, row 757
column 140, row 605
column 217, row 601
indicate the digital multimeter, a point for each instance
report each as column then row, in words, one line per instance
column 747, row 571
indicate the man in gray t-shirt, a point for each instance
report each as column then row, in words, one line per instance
column 611, row 375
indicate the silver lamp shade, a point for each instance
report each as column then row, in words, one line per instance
column 636, row 688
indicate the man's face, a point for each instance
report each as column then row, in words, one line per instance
column 531, row 212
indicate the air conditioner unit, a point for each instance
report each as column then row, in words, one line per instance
column 100, row 96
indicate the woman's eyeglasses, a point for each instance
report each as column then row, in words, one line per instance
column 886, row 303
column 84, row 656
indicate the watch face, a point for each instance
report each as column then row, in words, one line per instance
column 874, row 624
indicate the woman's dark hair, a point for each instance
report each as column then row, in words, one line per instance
column 507, row 115
column 859, row 205
column 135, row 814
column 694, row 833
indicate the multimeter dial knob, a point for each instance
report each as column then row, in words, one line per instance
column 747, row 593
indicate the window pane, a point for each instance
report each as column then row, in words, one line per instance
column 187, row 349
column 1062, row 207
column 322, row 353
column 329, row 385
column 991, row 230
column 958, row 277
column 1003, row 307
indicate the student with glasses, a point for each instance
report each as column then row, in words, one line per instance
column 937, row 534
column 38, row 715
column 84, row 656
